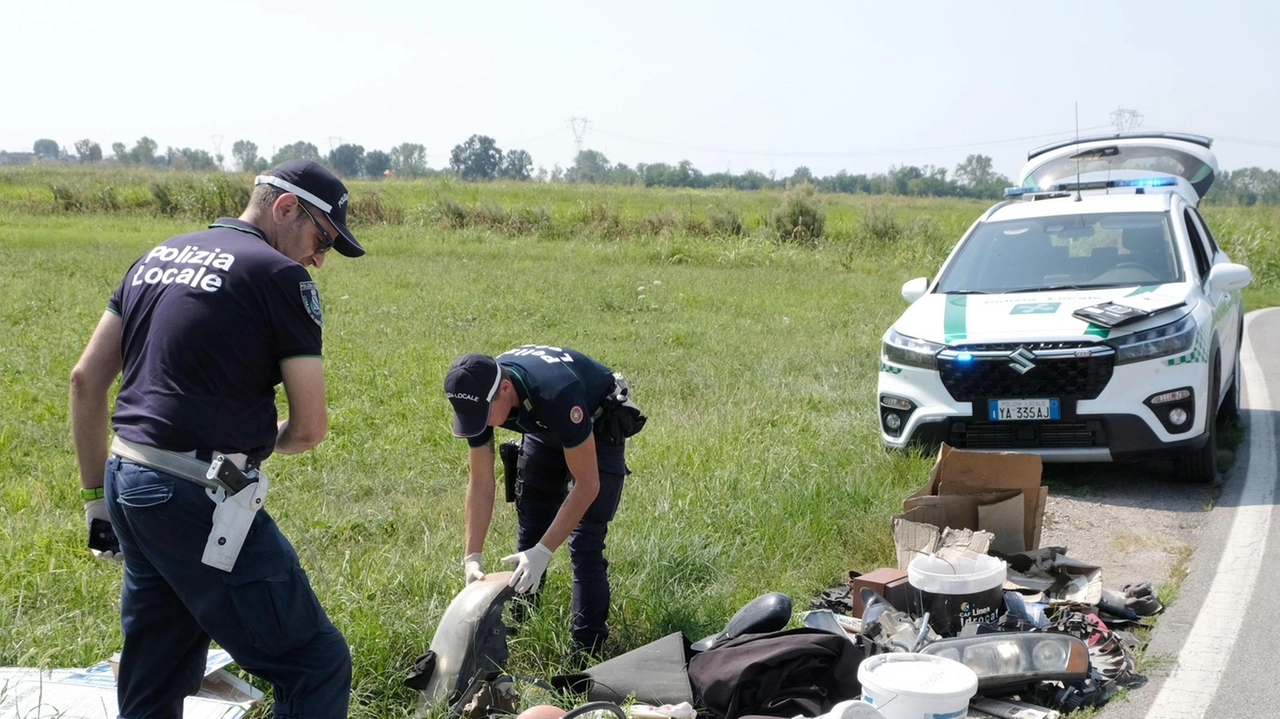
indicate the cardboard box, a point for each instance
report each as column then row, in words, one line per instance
column 996, row 492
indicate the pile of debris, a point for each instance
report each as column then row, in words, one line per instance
column 976, row 620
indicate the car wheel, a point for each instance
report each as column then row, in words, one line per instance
column 1200, row 466
column 1231, row 403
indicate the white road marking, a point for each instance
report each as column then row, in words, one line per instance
column 1192, row 686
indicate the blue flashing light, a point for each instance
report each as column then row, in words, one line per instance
column 964, row 357
column 1019, row 191
column 1147, row 182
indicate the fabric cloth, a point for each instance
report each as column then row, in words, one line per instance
column 207, row 319
column 264, row 612
column 541, row 487
column 795, row 672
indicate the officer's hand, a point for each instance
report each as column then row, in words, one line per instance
column 102, row 538
column 531, row 564
column 472, row 568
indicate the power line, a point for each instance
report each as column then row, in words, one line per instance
column 847, row 153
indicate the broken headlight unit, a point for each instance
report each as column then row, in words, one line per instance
column 1171, row 339
column 910, row 351
column 1004, row 659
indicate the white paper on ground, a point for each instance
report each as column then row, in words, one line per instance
column 90, row 693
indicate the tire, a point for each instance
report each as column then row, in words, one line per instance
column 1231, row 403
column 1200, row 466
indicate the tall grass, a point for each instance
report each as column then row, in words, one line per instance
column 760, row 469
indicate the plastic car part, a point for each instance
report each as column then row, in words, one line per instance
column 1004, row 659
column 595, row 706
column 470, row 639
column 766, row 613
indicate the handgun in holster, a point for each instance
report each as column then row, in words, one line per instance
column 237, row 499
column 509, row 453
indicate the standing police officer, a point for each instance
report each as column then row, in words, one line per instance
column 203, row 327
column 574, row 414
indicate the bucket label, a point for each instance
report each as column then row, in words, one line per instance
column 978, row 613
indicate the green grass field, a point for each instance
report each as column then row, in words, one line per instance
column 755, row 359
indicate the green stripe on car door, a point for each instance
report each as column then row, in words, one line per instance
column 953, row 318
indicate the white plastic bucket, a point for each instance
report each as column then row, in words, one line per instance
column 917, row 686
column 959, row 591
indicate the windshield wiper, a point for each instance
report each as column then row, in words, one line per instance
column 969, row 292
column 1051, row 288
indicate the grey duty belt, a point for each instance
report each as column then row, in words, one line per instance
column 179, row 464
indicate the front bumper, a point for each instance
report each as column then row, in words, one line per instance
column 1116, row 425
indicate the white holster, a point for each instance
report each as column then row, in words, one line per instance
column 232, row 517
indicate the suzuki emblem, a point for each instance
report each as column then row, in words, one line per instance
column 1022, row 363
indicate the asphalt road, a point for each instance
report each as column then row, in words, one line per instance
column 1214, row 651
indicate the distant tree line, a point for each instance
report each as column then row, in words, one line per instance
column 972, row 178
column 1246, row 186
column 480, row 159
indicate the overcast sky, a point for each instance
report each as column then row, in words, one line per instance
column 732, row 85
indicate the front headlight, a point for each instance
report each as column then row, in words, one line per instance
column 1011, row 658
column 1171, row 339
column 901, row 349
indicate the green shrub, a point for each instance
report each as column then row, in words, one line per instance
column 659, row 222
column 367, row 207
column 722, row 221
column 879, row 226
column 451, row 213
column 490, row 214
column 800, row 218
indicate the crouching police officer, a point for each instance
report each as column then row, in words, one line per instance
column 203, row 327
column 575, row 415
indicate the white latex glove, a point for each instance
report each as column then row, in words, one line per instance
column 97, row 509
column 472, row 567
column 531, row 564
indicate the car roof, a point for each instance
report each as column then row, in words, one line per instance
column 1088, row 204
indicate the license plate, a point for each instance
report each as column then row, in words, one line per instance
column 1002, row 410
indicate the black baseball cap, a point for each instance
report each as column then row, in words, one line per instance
column 314, row 183
column 470, row 385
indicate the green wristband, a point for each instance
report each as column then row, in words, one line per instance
column 95, row 493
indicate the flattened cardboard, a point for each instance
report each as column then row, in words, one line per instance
column 1005, row 520
column 960, row 483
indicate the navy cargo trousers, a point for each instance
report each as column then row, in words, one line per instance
column 263, row 612
column 541, row 487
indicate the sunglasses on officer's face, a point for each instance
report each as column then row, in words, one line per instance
column 327, row 242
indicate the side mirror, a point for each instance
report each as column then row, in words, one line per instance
column 915, row 289
column 1224, row 278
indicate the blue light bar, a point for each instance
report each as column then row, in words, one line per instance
column 964, row 357
column 1019, row 191
column 1147, row 182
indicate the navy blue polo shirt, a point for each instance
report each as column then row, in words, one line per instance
column 207, row 319
column 559, row 390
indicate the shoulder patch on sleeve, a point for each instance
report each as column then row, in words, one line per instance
column 575, row 415
column 311, row 300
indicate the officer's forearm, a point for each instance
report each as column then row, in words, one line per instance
column 571, row 511
column 291, row 441
column 480, row 496
column 89, row 433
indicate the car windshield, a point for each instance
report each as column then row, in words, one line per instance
column 1064, row 252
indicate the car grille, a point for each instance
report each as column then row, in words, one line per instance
column 1059, row 376
column 1028, row 435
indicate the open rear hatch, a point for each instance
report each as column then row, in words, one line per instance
column 1145, row 160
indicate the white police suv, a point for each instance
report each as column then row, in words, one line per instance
column 1089, row 317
